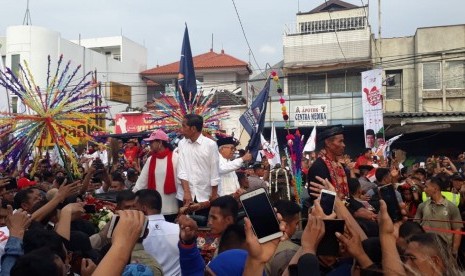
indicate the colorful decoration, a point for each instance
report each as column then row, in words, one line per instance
column 50, row 117
column 294, row 143
column 282, row 101
column 171, row 110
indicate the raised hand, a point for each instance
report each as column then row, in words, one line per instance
column 312, row 235
column 188, row 229
column 18, row 222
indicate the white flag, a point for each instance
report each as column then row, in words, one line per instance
column 275, row 146
column 3, row 92
column 311, row 142
column 269, row 149
column 383, row 150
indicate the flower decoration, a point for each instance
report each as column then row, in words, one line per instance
column 104, row 211
column 282, row 101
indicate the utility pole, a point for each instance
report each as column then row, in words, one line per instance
column 379, row 34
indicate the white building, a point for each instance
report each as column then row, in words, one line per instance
column 117, row 61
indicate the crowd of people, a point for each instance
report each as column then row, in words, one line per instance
column 180, row 214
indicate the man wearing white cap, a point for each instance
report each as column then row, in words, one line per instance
column 159, row 173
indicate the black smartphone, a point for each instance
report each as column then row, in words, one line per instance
column 90, row 209
column 258, row 209
column 327, row 199
column 329, row 244
column 388, row 194
column 114, row 221
column 12, row 185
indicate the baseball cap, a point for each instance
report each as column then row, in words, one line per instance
column 23, row 182
column 158, row 135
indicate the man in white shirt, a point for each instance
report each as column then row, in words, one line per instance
column 102, row 154
column 198, row 163
column 229, row 182
column 163, row 237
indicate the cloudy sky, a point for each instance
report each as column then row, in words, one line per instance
column 159, row 24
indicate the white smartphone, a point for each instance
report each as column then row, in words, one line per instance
column 422, row 165
column 258, row 209
column 114, row 221
column 327, row 199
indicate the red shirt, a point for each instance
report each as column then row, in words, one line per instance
column 362, row 160
column 131, row 154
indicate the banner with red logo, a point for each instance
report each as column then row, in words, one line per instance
column 372, row 103
column 136, row 122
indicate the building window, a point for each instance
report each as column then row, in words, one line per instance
column 336, row 83
column 394, row 84
column 432, row 75
column 14, row 104
column 353, row 82
column 15, row 60
column 298, row 85
column 454, row 74
column 317, row 84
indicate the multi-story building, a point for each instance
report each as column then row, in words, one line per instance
column 116, row 60
column 218, row 73
column 325, row 52
column 426, row 101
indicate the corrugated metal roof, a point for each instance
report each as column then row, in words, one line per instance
column 423, row 114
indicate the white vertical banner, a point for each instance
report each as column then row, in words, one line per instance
column 372, row 103
column 311, row 142
column 4, row 101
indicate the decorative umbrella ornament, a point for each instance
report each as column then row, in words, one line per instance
column 51, row 115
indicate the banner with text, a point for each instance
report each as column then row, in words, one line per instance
column 136, row 122
column 311, row 115
column 372, row 104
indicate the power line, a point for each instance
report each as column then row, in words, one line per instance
column 368, row 22
column 245, row 36
column 335, row 32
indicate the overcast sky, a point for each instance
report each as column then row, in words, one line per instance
column 159, row 24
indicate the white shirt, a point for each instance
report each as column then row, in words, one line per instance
column 103, row 155
column 199, row 165
column 162, row 244
column 4, row 234
column 229, row 182
column 169, row 204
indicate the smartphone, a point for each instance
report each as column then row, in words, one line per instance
column 76, row 262
column 327, row 199
column 388, row 194
column 257, row 207
column 114, row 221
column 329, row 244
column 422, row 165
column 90, row 209
column 12, row 185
